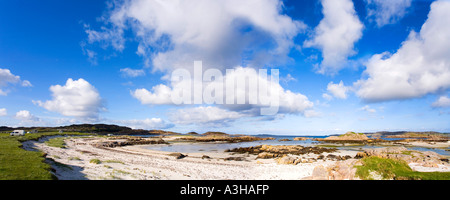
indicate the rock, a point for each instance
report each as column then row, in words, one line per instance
column 206, row 157
column 320, row 173
column 125, row 141
column 360, row 155
column 286, row 160
column 266, row 155
column 342, row 170
column 235, row 158
column 346, row 157
column 178, row 155
column 332, row 157
column 283, row 140
column 349, row 137
column 300, row 138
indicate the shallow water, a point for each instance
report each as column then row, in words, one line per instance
column 220, row 147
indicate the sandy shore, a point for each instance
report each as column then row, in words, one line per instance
column 76, row 162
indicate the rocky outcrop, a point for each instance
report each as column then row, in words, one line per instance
column 178, row 155
column 350, row 137
column 274, row 151
column 286, row 160
column 422, row 158
column 224, row 138
column 126, row 141
column 301, row 138
column 235, row 158
column 342, row 170
column 284, row 140
column 421, row 136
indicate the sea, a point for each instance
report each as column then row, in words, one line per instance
column 185, row 147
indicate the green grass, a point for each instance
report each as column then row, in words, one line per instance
column 56, row 142
column 395, row 169
column 19, row 164
column 95, row 161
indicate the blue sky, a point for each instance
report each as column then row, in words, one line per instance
column 362, row 65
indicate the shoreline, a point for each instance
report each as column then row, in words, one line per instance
column 82, row 160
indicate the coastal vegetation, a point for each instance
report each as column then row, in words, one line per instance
column 56, row 142
column 374, row 167
column 20, row 164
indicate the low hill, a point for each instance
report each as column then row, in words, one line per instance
column 101, row 129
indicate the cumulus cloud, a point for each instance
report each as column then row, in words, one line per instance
column 146, row 124
column 289, row 102
column 7, row 78
column 337, row 90
column 387, row 12
column 336, row 35
column 159, row 95
column 78, row 98
column 419, row 67
column 128, row 72
column 26, row 117
column 442, row 102
column 224, row 33
column 3, row 112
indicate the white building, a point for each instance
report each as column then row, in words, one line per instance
column 18, row 133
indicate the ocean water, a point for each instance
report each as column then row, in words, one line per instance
column 220, row 147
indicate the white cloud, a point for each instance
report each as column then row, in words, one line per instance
column 336, row 34
column 368, row 109
column 161, row 95
column 205, row 115
column 337, row 90
column 327, row 96
column 26, row 117
column 172, row 34
column 78, row 98
column 289, row 102
column 3, row 112
column 443, row 101
column 128, row 72
column 387, row 12
column 419, row 67
column 7, row 78
column 146, row 124
column 26, row 83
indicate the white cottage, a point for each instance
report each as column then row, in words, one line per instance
column 18, row 133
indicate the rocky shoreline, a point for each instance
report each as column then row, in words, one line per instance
column 271, row 151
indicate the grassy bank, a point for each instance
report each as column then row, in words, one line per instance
column 19, row 164
column 382, row 168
